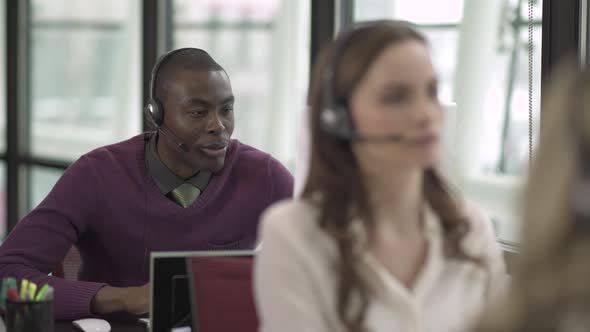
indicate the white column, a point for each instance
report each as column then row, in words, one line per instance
column 131, row 93
column 476, row 56
column 290, row 63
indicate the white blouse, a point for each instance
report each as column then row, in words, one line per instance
column 296, row 283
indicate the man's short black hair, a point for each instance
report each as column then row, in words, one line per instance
column 193, row 59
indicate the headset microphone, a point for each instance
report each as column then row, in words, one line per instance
column 182, row 146
column 378, row 139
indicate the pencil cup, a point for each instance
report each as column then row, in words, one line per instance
column 29, row 316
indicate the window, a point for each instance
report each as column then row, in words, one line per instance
column 42, row 179
column 480, row 49
column 91, row 96
column 264, row 47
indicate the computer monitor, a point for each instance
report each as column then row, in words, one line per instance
column 170, row 294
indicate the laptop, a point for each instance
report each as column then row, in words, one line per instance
column 170, row 289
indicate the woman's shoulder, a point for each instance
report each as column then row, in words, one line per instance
column 481, row 242
column 291, row 209
column 480, row 237
column 294, row 223
column 292, row 217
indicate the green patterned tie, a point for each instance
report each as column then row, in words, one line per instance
column 185, row 194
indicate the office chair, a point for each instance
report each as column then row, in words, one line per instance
column 222, row 298
column 69, row 267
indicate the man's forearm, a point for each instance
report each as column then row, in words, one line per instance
column 109, row 299
column 134, row 300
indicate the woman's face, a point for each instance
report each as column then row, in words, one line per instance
column 398, row 97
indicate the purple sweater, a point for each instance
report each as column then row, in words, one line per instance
column 107, row 205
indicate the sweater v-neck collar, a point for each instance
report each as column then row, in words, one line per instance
column 218, row 179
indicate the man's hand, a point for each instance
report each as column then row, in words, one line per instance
column 134, row 300
column 138, row 300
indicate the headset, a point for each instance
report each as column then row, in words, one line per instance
column 154, row 108
column 335, row 118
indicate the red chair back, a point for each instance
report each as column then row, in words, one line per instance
column 70, row 266
column 222, row 295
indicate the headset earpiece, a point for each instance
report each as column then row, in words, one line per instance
column 336, row 121
column 155, row 112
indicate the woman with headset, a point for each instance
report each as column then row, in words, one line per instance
column 377, row 241
column 550, row 289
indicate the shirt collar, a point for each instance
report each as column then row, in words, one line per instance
column 164, row 178
column 385, row 284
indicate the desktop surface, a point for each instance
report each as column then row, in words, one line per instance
column 67, row 326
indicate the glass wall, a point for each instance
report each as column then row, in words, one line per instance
column 264, row 47
column 480, row 49
column 42, row 180
column 91, row 96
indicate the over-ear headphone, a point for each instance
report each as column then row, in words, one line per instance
column 154, row 109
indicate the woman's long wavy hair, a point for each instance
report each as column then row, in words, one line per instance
column 336, row 177
column 551, row 286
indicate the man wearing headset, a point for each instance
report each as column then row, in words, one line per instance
column 186, row 186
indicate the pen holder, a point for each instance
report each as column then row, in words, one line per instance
column 29, row 316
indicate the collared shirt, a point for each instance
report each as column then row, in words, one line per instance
column 298, row 258
column 164, row 178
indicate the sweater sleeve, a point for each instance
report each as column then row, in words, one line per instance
column 40, row 241
column 281, row 182
column 286, row 298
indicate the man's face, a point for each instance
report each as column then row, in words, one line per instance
column 199, row 111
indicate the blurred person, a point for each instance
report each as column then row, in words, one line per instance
column 184, row 186
column 377, row 241
column 550, row 289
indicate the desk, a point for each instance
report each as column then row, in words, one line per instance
column 66, row 326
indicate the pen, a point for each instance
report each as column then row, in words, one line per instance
column 11, row 283
column 3, row 293
column 12, row 294
column 42, row 292
column 24, row 285
column 48, row 294
column 31, row 291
